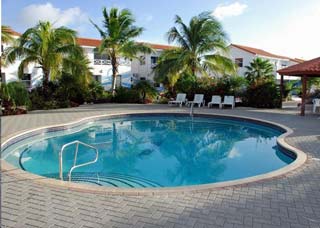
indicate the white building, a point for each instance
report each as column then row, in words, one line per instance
column 129, row 70
column 243, row 56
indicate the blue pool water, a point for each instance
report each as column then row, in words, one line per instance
column 155, row 151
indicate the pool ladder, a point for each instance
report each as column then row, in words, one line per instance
column 75, row 166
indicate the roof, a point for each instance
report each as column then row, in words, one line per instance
column 297, row 60
column 257, row 51
column 14, row 33
column 88, row 42
column 309, row 68
column 96, row 42
column 159, row 46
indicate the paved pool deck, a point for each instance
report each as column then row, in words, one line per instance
column 292, row 200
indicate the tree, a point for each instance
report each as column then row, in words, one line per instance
column 45, row 46
column 6, row 34
column 77, row 64
column 202, row 49
column 6, row 37
column 260, row 70
column 117, row 38
column 145, row 89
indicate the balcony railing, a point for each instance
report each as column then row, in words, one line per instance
column 124, row 62
column 102, row 62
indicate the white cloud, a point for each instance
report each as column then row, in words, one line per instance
column 234, row 9
column 32, row 14
column 297, row 36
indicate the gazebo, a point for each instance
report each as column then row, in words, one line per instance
column 305, row 70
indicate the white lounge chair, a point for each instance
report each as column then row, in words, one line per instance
column 316, row 104
column 198, row 99
column 180, row 99
column 215, row 100
column 228, row 100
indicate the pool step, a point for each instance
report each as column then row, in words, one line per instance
column 108, row 179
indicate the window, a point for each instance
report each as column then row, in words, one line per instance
column 142, row 60
column 142, row 78
column 154, row 59
column 97, row 78
column 26, row 77
column 100, row 56
column 239, row 62
column 3, row 77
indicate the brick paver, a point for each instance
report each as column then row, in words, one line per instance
column 289, row 201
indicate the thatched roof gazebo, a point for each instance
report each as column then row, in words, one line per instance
column 305, row 70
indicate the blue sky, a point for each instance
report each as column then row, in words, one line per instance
column 286, row 27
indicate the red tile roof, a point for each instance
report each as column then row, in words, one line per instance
column 257, row 51
column 297, row 60
column 310, row 68
column 88, row 42
column 159, row 46
column 97, row 42
column 14, row 33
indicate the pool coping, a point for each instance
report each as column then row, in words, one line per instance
column 20, row 174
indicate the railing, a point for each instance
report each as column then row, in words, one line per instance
column 191, row 109
column 75, row 158
column 125, row 62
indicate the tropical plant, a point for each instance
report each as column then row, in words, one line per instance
column 259, row 71
column 117, row 36
column 77, row 65
column 95, row 90
column 14, row 93
column 6, row 37
column 6, row 34
column 263, row 95
column 45, row 46
column 145, row 90
column 202, row 50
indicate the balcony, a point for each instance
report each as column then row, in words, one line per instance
column 122, row 62
column 102, row 62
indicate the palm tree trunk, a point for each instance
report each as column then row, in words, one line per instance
column 114, row 74
column 45, row 83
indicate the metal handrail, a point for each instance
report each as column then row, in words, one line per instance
column 75, row 158
column 191, row 109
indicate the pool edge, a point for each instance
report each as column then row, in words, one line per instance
column 301, row 158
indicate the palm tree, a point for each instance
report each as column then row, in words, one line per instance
column 117, row 38
column 6, row 37
column 46, row 46
column 77, row 64
column 202, row 48
column 260, row 70
column 6, row 34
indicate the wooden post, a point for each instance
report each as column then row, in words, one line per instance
column 281, row 90
column 304, row 89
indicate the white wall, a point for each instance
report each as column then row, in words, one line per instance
column 145, row 70
column 239, row 53
column 249, row 57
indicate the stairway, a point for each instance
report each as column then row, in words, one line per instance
column 110, row 179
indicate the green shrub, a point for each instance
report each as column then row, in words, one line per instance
column 226, row 85
column 262, row 95
column 15, row 93
column 94, row 92
column 145, row 91
column 126, row 95
column 70, row 89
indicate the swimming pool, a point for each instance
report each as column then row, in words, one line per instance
column 149, row 151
